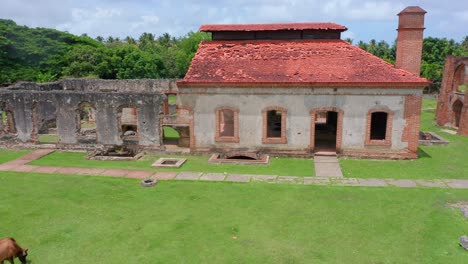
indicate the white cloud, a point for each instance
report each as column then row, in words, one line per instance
column 119, row 18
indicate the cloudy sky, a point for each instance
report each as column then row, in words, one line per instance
column 365, row 19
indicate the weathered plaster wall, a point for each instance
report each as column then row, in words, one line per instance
column 355, row 104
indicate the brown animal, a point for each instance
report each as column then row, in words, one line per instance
column 9, row 250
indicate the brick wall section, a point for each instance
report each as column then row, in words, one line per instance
column 444, row 110
column 463, row 128
column 410, row 40
column 449, row 95
column 412, row 116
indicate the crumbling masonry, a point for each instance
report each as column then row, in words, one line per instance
column 29, row 109
column 452, row 106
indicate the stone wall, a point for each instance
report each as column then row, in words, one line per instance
column 27, row 101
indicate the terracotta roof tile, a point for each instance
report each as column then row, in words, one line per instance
column 272, row 27
column 314, row 63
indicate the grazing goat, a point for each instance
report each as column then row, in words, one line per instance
column 9, row 250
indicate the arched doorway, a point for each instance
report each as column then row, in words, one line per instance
column 457, row 109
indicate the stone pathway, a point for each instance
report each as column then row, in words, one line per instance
column 328, row 179
column 327, row 166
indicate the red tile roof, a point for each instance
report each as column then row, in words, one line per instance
column 272, row 27
column 298, row 63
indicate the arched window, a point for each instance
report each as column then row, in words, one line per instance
column 274, row 125
column 227, row 125
column 460, row 80
column 379, row 127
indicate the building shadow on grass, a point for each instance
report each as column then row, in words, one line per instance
column 423, row 154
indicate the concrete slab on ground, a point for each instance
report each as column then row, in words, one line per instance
column 457, row 184
column 372, row 182
column 46, row 169
column 344, row 181
column 115, row 173
column 7, row 166
column 139, row 174
column 264, row 178
column 325, row 159
column 164, row 175
column 90, row 171
column 402, row 183
column 328, row 169
column 36, row 154
column 431, row 183
column 448, row 131
column 25, row 168
column 213, row 177
column 238, row 178
column 188, row 176
column 290, row 179
column 66, row 170
column 316, row 181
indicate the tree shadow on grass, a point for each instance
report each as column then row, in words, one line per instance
column 423, row 154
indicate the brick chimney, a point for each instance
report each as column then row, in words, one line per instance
column 410, row 39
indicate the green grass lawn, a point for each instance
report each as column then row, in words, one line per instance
column 434, row 162
column 48, row 138
column 77, row 219
column 11, row 154
column 170, row 133
column 277, row 166
column 429, row 104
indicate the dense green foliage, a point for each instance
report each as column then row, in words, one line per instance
column 40, row 54
column 82, row 219
column 435, row 50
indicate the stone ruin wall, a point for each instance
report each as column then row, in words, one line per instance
column 31, row 104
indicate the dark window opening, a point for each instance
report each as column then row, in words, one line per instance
column 274, row 124
column 378, row 129
column 226, row 123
